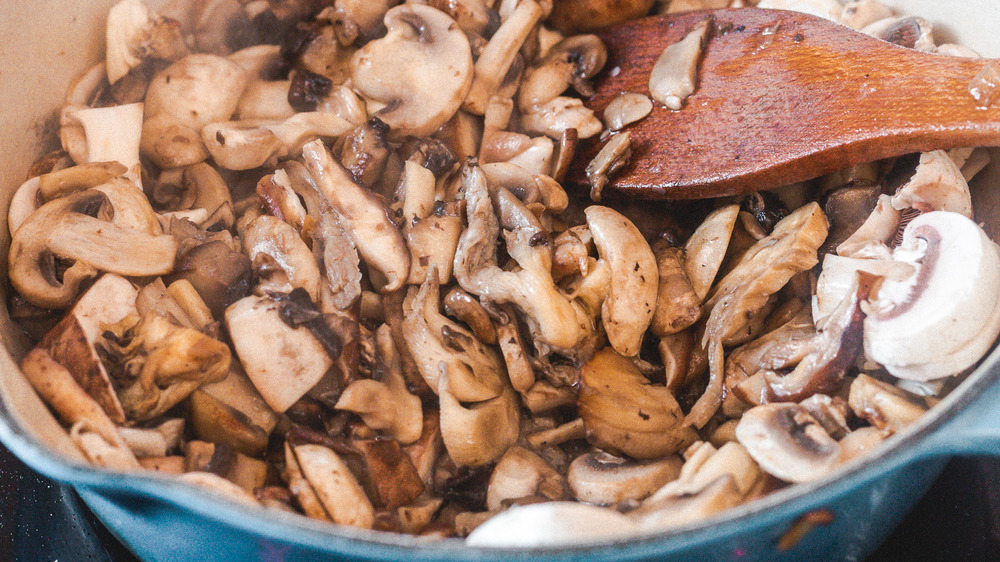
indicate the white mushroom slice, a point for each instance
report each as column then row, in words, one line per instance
column 128, row 21
column 551, row 524
column 432, row 242
column 707, row 247
column 237, row 392
column 26, row 200
column 58, row 229
column 839, row 273
column 829, row 9
column 335, row 486
column 498, row 55
column 364, row 217
column 521, row 473
column 243, row 145
column 98, row 451
column 942, row 319
column 132, row 208
column 436, row 343
column 628, row 310
column 283, row 362
column 77, row 178
column 626, row 108
column 787, row 442
column 937, row 185
column 603, row 479
column 418, row 189
column 718, row 495
column 385, row 405
column 888, row 408
column 282, row 259
column 481, row 433
column 113, row 135
column 674, row 74
column 420, row 72
column 561, row 113
column 196, row 90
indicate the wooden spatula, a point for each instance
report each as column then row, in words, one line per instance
column 782, row 97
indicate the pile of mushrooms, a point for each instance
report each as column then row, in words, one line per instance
column 316, row 257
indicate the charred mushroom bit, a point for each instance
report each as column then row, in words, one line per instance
column 317, row 257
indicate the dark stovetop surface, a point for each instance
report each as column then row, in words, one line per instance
column 958, row 520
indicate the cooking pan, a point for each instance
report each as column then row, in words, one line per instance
column 843, row 516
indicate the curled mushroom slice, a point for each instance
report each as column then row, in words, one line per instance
column 787, row 442
column 762, row 270
column 551, row 524
column 628, row 310
column 385, row 405
column 937, row 185
column 672, row 79
column 706, row 248
column 944, row 317
column 611, row 158
column 553, row 318
column 888, row 408
column 521, row 473
column 624, row 413
column 420, row 71
column 77, row 228
column 243, row 145
column 603, row 479
column 677, row 304
column 560, row 114
column 363, row 216
column 483, row 431
column 435, row 342
column 626, row 108
column 280, row 257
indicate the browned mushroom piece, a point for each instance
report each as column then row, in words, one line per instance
column 575, row 16
column 521, row 473
column 603, row 479
column 614, row 155
column 624, row 413
column 761, row 272
column 571, row 62
column 888, row 408
column 787, row 442
column 677, row 304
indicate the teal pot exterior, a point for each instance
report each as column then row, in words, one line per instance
column 843, row 517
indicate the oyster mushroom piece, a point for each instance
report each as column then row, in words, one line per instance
column 385, row 405
column 281, row 258
column 283, row 362
column 624, row 413
column 521, row 473
column 761, row 272
column 362, row 215
column 613, row 155
column 603, row 479
column 943, row 318
column 483, row 431
column 629, row 307
column 673, row 76
column 888, row 408
column 77, row 228
column 495, row 60
column 787, row 442
column 677, row 304
column 937, row 185
column 420, row 71
column 551, row 524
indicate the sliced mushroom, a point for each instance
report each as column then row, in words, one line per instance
column 603, row 479
column 433, row 242
column 337, row 491
column 762, row 270
column 706, row 248
column 787, row 442
column 572, row 61
column 937, row 185
column 624, row 413
column 551, row 524
column 496, row 59
column 521, row 473
column 677, row 304
column 429, row 62
column 385, row 405
column 626, row 108
column 611, row 158
column 364, row 217
column 436, row 343
column 283, row 362
column 560, row 114
column 888, row 408
column 76, row 228
column 481, row 433
column 280, row 257
column 113, row 134
column 944, row 317
column 673, row 76
column 216, row 422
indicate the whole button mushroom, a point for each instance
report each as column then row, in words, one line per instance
column 420, row 72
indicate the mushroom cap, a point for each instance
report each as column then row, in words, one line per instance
column 787, row 442
column 604, row 479
column 421, row 70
